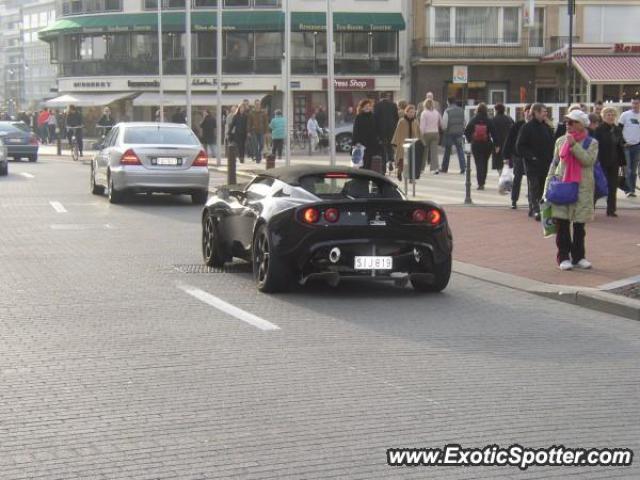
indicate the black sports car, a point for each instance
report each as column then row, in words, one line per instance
column 311, row 222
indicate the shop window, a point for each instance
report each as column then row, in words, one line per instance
column 476, row 25
column 238, row 45
column 384, row 44
column 144, row 47
column 205, row 3
column 266, row 3
column 442, row 24
column 118, row 46
column 204, row 45
column 302, row 45
column 536, row 34
column 93, row 48
column 269, row 45
column 236, row 3
column 153, row 4
column 510, row 24
column 355, row 45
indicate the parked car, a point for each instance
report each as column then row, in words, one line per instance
column 4, row 161
column 20, row 141
column 139, row 157
column 296, row 224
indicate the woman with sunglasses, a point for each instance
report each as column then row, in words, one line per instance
column 574, row 158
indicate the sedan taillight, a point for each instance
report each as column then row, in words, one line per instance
column 202, row 160
column 130, row 158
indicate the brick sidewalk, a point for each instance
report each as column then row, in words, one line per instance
column 510, row 242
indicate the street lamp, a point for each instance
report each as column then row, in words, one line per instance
column 571, row 6
column 331, row 94
column 160, row 63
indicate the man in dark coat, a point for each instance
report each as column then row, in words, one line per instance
column 179, row 117
column 321, row 117
column 385, row 114
column 502, row 124
column 535, row 144
column 208, row 129
column 515, row 161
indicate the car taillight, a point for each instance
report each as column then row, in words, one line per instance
column 432, row 217
column 129, row 158
column 331, row 215
column 34, row 140
column 311, row 215
column 202, row 160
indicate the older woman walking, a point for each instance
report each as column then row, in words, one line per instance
column 430, row 121
column 575, row 155
column 610, row 154
column 407, row 128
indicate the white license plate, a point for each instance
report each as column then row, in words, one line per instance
column 373, row 263
column 166, row 161
column 15, row 140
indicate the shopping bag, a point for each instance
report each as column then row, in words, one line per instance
column 601, row 186
column 549, row 227
column 622, row 180
column 505, row 182
column 357, row 156
column 562, row 193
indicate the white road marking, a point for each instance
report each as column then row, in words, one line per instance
column 26, row 175
column 58, row 207
column 77, row 226
column 229, row 309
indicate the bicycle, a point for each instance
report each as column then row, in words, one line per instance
column 73, row 144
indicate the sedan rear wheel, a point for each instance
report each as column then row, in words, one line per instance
column 115, row 196
column 269, row 271
column 211, row 249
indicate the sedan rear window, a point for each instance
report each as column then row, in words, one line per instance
column 348, row 186
column 160, row 136
column 7, row 127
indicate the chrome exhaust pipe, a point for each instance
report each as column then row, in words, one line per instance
column 334, row 255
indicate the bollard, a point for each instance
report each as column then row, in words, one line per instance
column 376, row 164
column 467, row 183
column 270, row 161
column 58, row 142
column 231, row 164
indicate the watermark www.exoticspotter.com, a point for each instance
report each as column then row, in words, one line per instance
column 514, row 456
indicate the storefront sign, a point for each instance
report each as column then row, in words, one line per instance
column 145, row 84
column 351, row 83
column 99, row 84
column 626, row 48
column 460, row 74
column 212, row 82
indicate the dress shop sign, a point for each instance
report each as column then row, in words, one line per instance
column 351, row 83
column 626, row 48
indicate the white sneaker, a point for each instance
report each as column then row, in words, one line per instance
column 566, row 265
column 584, row 264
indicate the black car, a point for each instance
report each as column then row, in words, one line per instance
column 20, row 141
column 312, row 222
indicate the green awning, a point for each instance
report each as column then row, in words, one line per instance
column 171, row 21
column 347, row 22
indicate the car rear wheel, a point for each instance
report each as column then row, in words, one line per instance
column 200, row 198
column 442, row 274
column 343, row 143
column 33, row 158
column 115, row 196
column 271, row 274
column 211, row 249
column 95, row 189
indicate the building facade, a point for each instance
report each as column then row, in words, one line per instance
column 107, row 52
column 483, row 51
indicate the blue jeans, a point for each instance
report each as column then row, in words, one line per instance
column 449, row 141
column 259, row 145
column 632, row 155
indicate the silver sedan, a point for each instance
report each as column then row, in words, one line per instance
column 138, row 157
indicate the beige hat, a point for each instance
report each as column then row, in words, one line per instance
column 578, row 116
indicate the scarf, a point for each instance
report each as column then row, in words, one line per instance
column 573, row 167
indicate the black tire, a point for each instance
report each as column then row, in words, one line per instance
column 95, row 189
column 115, row 196
column 33, row 158
column 442, row 273
column 200, row 198
column 271, row 274
column 212, row 252
column 344, row 143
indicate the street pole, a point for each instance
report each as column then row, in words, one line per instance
column 219, row 82
column 331, row 94
column 188, row 59
column 570, row 83
column 160, row 62
column 287, row 82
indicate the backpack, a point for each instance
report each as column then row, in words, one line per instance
column 480, row 132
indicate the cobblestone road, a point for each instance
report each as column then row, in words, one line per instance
column 110, row 370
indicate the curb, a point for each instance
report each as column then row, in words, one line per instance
column 590, row 298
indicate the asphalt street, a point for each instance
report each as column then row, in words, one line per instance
column 122, row 358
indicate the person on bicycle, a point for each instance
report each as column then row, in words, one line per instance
column 74, row 119
column 106, row 121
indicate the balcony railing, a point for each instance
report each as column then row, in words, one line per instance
column 488, row 48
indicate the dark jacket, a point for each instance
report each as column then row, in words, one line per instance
column 610, row 145
column 179, row 117
column 561, row 131
column 480, row 119
column 208, row 127
column 364, row 132
column 73, row 119
column 238, row 128
column 510, row 143
column 502, row 124
column 107, row 122
column 535, row 145
column 321, row 118
column 385, row 114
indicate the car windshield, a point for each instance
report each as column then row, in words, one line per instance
column 348, row 186
column 159, row 136
column 8, row 128
column 21, row 126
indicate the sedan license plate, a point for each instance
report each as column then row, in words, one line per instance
column 373, row 263
column 167, row 161
column 14, row 140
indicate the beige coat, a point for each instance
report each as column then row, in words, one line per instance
column 402, row 133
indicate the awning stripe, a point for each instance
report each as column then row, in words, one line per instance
column 86, row 99
column 609, row 69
